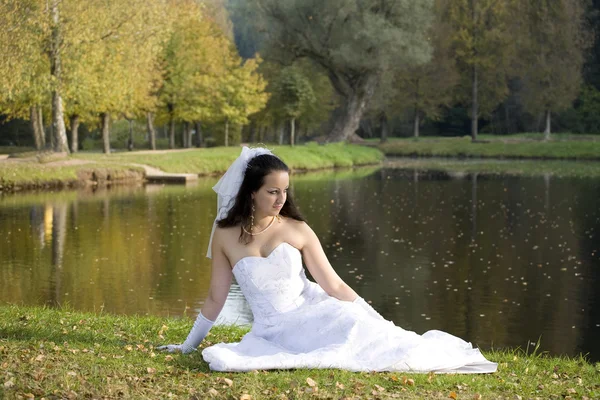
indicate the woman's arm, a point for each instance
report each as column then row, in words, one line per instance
column 220, row 282
column 320, row 268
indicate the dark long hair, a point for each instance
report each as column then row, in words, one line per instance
column 254, row 177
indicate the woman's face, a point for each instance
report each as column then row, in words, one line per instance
column 272, row 195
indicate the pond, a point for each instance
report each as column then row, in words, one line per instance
column 497, row 260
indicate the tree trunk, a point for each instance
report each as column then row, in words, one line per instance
column 226, row 132
column 105, row 122
column 130, row 138
column 74, row 133
column 383, row 121
column 40, row 120
column 151, row 131
column 417, row 123
column 199, row 138
column 184, row 135
column 281, row 129
column 38, row 134
column 58, row 122
column 474, row 106
column 253, row 129
column 171, row 132
column 189, row 135
column 548, row 123
column 292, row 131
column 354, row 105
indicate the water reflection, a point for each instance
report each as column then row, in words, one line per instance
column 499, row 261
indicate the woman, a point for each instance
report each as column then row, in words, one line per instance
column 260, row 237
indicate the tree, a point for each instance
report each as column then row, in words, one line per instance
column 294, row 94
column 24, row 66
column 554, row 40
column 241, row 92
column 484, row 47
column 423, row 91
column 352, row 41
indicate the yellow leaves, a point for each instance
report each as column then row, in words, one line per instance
column 161, row 332
column 452, row 395
column 245, row 397
column 311, row 382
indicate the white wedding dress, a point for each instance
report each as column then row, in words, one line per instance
column 297, row 325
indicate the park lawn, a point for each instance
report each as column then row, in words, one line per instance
column 512, row 146
column 215, row 160
column 48, row 170
column 61, row 353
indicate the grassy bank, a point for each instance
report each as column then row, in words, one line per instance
column 562, row 147
column 217, row 159
column 35, row 175
column 554, row 168
column 67, row 354
column 46, row 172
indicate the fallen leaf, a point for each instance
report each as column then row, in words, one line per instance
column 410, row 382
column 477, row 396
column 213, row 392
column 430, row 377
column 168, row 358
column 246, row 397
column 9, row 384
column 380, row 388
column 571, row 391
column 339, row 386
column 311, row 382
column 228, row 381
column 452, row 395
column 151, row 370
column 394, row 378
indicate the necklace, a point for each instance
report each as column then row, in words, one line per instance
column 258, row 233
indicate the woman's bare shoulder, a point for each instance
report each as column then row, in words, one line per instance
column 299, row 232
column 224, row 235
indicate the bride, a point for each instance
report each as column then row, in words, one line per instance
column 260, row 238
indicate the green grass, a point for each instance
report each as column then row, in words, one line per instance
column 36, row 175
column 217, row 159
column 512, row 146
column 66, row 354
column 37, row 170
column 555, row 168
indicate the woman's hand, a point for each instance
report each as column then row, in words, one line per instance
column 174, row 348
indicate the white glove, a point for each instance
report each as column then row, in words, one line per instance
column 199, row 331
column 367, row 307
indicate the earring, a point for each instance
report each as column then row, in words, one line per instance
column 252, row 219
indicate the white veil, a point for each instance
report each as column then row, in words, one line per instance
column 229, row 185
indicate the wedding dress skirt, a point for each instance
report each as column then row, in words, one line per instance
column 297, row 325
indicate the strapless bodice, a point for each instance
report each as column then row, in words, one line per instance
column 274, row 284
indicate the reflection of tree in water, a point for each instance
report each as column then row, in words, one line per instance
column 58, row 236
column 36, row 224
